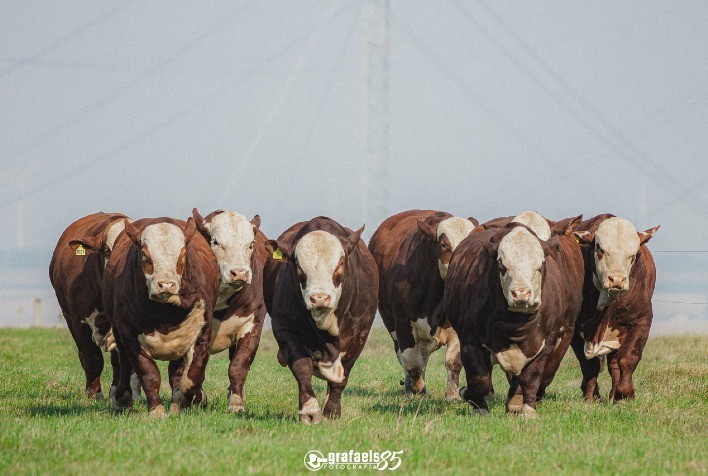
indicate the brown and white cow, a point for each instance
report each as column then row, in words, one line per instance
column 159, row 291
column 617, row 310
column 321, row 287
column 239, row 247
column 76, row 271
column 412, row 250
column 566, row 252
column 503, row 295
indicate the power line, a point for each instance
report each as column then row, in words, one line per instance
column 43, row 137
column 656, row 173
column 68, row 37
column 74, row 170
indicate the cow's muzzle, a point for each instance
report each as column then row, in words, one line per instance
column 238, row 277
column 320, row 301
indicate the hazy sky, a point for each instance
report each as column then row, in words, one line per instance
column 152, row 108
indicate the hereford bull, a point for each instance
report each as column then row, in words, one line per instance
column 503, row 295
column 321, row 287
column 159, row 291
column 412, row 250
column 616, row 314
column 76, row 271
column 239, row 247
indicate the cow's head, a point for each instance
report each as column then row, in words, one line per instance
column 447, row 234
column 232, row 237
column 535, row 222
column 163, row 251
column 103, row 242
column 320, row 259
column 520, row 259
column 616, row 245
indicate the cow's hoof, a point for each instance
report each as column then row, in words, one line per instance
column 310, row 412
column 93, row 395
column 490, row 395
column 158, row 412
column 483, row 412
column 332, row 410
column 515, row 404
column 204, row 401
column 122, row 404
column 311, row 417
column 453, row 396
column 174, row 408
column 528, row 412
column 236, row 404
column 112, row 392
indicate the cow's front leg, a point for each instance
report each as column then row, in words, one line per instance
column 627, row 358
column 589, row 368
column 149, row 376
column 530, row 381
column 309, row 409
column 121, row 396
column 477, row 364
column 241, row 356
column 189, row 391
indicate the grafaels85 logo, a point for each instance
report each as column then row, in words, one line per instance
column 391, row 460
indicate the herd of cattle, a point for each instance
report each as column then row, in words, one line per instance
column 514, row 291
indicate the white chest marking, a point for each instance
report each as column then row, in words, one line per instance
column 514, row 360
column 226, row 333
column 177, row 343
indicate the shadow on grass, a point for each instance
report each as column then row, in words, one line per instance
column 63, row 410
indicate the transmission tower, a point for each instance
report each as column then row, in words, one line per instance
column 376, row 158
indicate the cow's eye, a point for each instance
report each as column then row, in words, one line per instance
column 599, row 251
column 632, row 259
column 214, row 242
column 502, row 268
column 143, row 256
column 107, row 253
column 250, row 247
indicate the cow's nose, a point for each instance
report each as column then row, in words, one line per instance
column 617, row 281
column 166, row 287
column 319, row 300
column 238, row 275
column 521, row 295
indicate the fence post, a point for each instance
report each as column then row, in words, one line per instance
column 37, row 303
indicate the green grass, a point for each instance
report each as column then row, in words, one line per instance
column 48, row 426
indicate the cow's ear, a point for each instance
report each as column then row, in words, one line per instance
column 202, row 225
column 430, row 232
column 93, row 243
column 474, row 221
column 189, row 230
column 566, row 226
column 478, row 228
column 353, row 239
column 256, row 222
column 584, row 237
column 490, row 249
column 645, row 236
column 550, row 246
column 133, row 232
column 280, row 251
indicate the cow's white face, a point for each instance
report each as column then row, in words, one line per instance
column 616, row 247
column 450, row 233
column 520, row 260
column 535, row 222
column 111, row 235
column 232, row 241
column 320, row 270
column 163, row 259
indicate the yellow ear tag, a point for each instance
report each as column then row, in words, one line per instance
column 277, row 254
column 80, row 251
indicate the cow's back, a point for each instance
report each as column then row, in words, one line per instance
column 76, row 278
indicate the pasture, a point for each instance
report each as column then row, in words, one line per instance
column 48, row 426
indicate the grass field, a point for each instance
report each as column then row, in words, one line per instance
column 48, row 426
